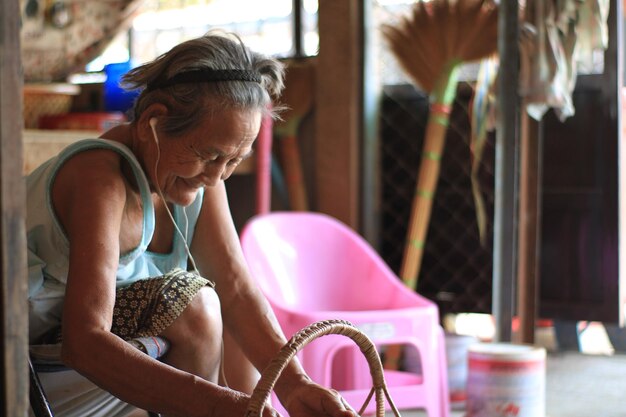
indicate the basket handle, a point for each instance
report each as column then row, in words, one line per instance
column 270, row 375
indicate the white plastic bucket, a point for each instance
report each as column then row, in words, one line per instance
column 457, row 348
column 506, row 380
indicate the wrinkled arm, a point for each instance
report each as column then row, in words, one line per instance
column 89, row 199
column 246, row 313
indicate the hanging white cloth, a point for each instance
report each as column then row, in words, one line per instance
column 556, row 37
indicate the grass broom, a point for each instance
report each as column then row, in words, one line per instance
column 298, row 96
column 431, row 43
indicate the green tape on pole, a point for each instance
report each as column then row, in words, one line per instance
column 425, row 193
column 419, row 244
column 409, row 282
column 432, row 156
column 442, row 120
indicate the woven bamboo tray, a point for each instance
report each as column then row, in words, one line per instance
column 269, row 376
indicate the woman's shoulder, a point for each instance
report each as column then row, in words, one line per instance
column 91, row 171
column 101, row 164
column 95, row 149
column 94, row 180
column 96, row 160
column 91, row 158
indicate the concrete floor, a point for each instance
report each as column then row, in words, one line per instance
column 577, row 385
column 582, row 385
column 591, row 383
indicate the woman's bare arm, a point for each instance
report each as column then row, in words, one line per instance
column 246, row 312
column 89, row 197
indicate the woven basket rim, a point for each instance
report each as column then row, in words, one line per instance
column 51, row 88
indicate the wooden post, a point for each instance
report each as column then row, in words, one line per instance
column 338, row 110
column 372, row 98
column 13, row 292
column 507, row 137
column 529, row 228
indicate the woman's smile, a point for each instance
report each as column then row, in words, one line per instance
column 206, row 155
column 193, row 184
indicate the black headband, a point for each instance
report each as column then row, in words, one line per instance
column 208, row 75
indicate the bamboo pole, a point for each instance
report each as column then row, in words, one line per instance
column 529, row 228
column 428, row 176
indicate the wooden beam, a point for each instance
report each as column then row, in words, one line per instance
column 507, row 144
column 529, row 229
column 371, row 180
column 338, row 110
column 13, row 288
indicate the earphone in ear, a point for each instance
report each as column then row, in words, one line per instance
column 153, row 122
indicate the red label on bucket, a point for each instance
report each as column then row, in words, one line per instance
column 490, row 365
column 506, row 382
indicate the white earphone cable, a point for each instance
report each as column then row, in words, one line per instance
column 184, row 237
column 169, row 213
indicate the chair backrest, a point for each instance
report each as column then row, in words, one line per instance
column 311, row 261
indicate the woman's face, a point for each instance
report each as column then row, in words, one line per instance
column 205, row 155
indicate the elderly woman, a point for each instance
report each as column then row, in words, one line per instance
column 130, row 235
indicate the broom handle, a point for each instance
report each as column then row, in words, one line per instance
column 420, row 215
column 428, row 176
column 292, row 165
column 421, row 206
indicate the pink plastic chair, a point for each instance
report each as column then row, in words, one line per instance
column 312, row 267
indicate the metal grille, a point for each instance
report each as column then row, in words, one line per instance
column 456, row 269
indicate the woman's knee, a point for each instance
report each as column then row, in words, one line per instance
column 202, row 317
column 196, row 337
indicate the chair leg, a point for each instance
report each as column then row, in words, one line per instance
column 38, row 400
column 566, row 333
column 617, row 337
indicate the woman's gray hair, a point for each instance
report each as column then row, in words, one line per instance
column 188, row 103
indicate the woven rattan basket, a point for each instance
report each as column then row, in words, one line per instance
column 46, row 99
column 270, row 375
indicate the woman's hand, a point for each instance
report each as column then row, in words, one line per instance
column 309, row 399
column 236, row 403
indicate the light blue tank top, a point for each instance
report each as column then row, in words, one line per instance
column 48, row 245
